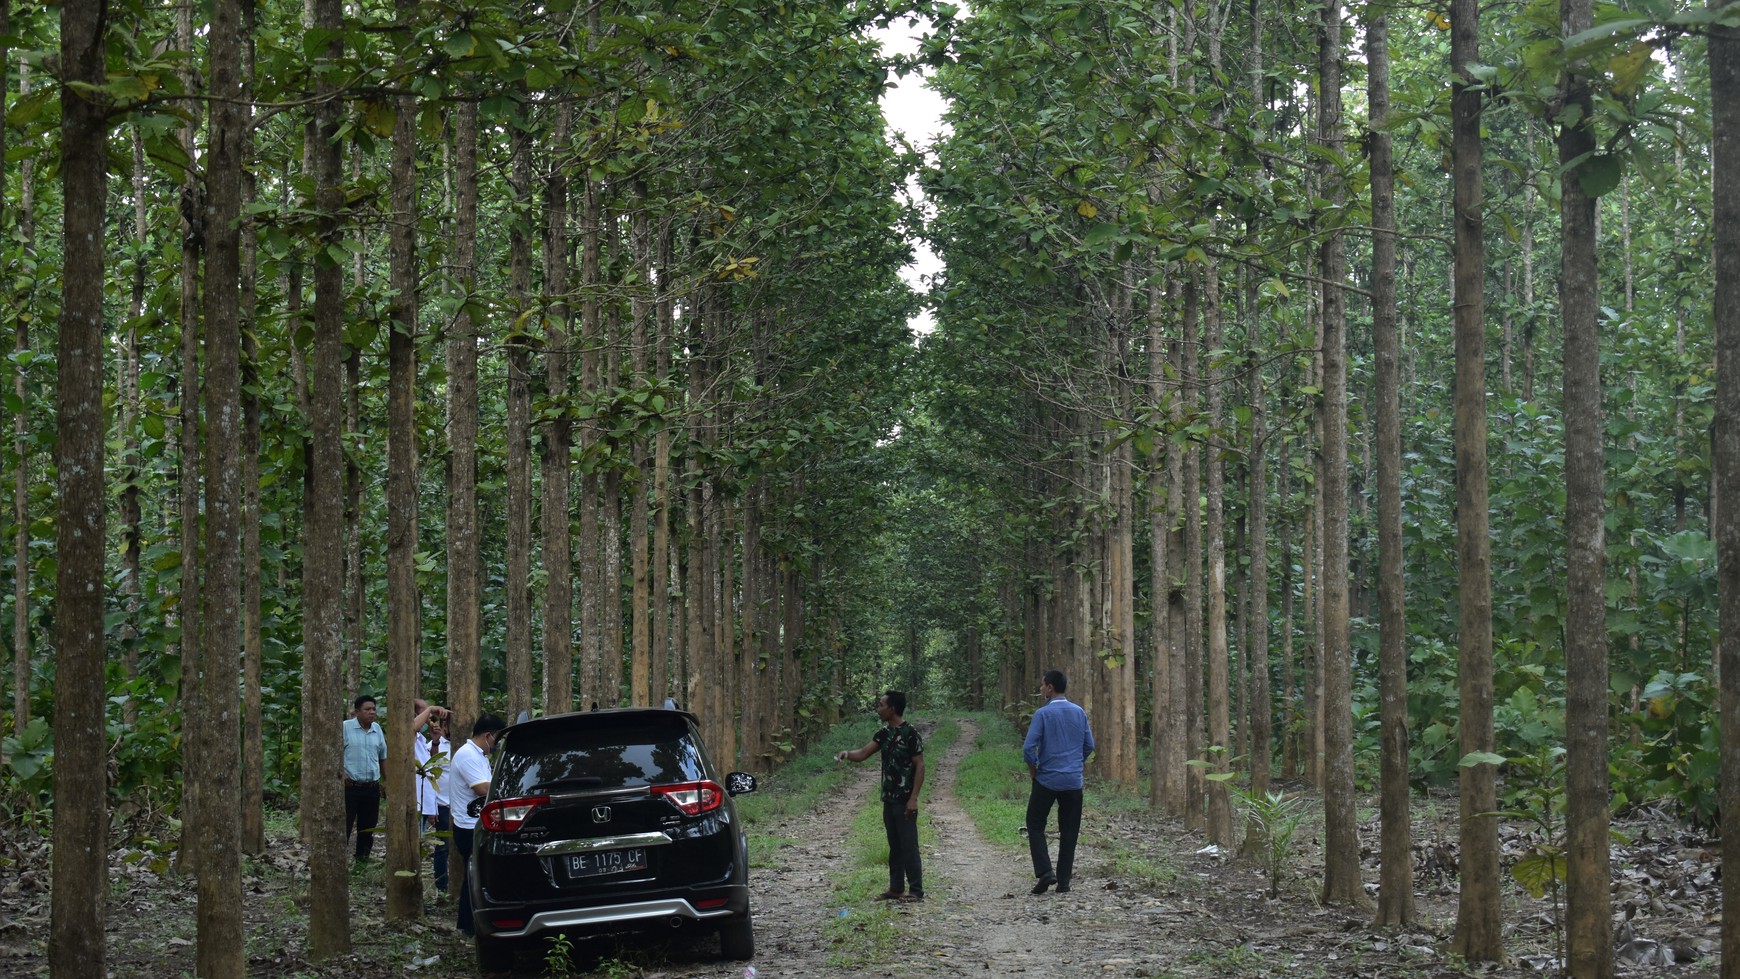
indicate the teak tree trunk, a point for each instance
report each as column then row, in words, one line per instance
column 323, row 588
column 404, row 619
column 1190, row 649
column 1588, row 905
column 218, row 726
column 1220, row 821
column 81, row 824
column 1396, row 866
column 463, row 607
column 1479, row 936
column 558, row 432
column 520, row 696
column 1341, row 883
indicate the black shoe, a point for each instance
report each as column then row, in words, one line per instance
column 1045, row 883
column 1063, row 887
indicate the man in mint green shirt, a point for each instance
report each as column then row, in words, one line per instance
column 365, row 747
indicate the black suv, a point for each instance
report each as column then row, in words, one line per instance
column 603, row 822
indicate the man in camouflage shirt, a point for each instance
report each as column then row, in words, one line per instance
column 902, row 776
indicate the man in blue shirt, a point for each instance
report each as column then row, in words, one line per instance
column 365, row 747
column 1058, row 744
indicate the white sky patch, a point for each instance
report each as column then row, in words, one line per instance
column 915, row 112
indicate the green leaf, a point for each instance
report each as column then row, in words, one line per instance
column 1474, row 758
column 461, row 45
column 1599, row 174
column 1540, row 872
column 1099, row 234
column 1628, row 68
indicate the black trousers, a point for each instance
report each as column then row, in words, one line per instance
column 905, row 869
column 362, row 813
column 441, row 823
column 462, row 845
column 1039, row 805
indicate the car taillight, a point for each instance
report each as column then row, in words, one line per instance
column 507, row 815
column 693, row 798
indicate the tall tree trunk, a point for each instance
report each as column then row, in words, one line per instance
column 1288, row 666
column 1262, row 706
column 1163, row 790
column 641, row 312
column 1588, row 905
column 1479, row 937
column 1725, row 439
column 590, row 537
column 1190, row 703
column 663, row 555
column 719, row 668
column 404, row 656
column 463, row 545
column 519, row 426
column 220, row 951
column 610, row 582
column 754, row 601
column 81, row 785
column 1396, row 866
column 558, row 551
column 1220, row 825
column 1341, row 883
column 323, row 592
column 1124, row 597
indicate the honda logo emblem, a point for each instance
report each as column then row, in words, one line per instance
column 601, row 814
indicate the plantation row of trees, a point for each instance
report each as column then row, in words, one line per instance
column 535, row 357
column 1330, row 390
column 519, row 357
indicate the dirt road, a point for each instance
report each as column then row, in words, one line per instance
column 978, row 917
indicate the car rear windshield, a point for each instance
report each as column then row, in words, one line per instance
column 551, row 759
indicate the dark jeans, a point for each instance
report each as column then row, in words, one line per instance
column 1039, row 805
column 462, row 843
column 441, row 822
column 362, row 813
column 905, row 870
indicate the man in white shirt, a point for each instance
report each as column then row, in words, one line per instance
column 468, row 779
column 434, row 755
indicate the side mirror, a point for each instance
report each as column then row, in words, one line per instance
column 475, row 807
column 739, row 783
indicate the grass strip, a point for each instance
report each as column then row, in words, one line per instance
column 993, row 784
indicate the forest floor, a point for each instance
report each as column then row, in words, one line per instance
column 1203, row 916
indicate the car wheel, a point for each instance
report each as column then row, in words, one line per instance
column 494, row 955
column 737, row 940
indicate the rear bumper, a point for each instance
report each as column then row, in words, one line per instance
column 644, row 915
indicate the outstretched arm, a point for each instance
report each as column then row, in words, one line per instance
column 859, row 754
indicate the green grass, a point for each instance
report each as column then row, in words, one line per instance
column 992, row 784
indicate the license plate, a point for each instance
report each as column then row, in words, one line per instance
column 605, row 862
